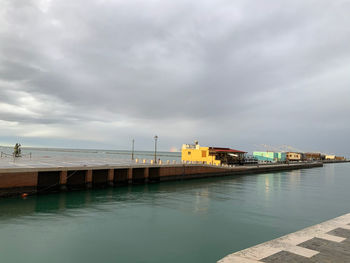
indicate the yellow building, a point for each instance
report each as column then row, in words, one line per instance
column 292, row 156
column 330, row 157
column 194, row 153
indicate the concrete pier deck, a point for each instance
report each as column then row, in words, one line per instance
column 61, row 162
column 41, row 175
column 325, row 242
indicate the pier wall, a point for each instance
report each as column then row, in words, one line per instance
column 21, row 182
column 335, row 161
column 54, row 179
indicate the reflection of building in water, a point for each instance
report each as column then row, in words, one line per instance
column 202, row 201
column 294, row 177
column 267, row 184
column 272, row 183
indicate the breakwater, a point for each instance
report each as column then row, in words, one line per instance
column 31, row 179
column 335, row 161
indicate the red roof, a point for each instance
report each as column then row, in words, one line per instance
column 219, row 149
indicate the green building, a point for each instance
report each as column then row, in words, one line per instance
column 270, row 156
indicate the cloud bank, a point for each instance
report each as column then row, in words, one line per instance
column 95, row 74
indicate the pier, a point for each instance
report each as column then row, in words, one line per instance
column 36, row 176
column 325, row 242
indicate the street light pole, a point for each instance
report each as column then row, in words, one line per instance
column 155, row 148
column 132, row 150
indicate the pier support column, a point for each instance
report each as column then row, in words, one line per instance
column 63, row 181
column 130, row 176
column 88, row 179
column 110, row 178
column 146, row 174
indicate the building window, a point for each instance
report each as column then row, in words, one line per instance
column 189, row 153
column 204, row 154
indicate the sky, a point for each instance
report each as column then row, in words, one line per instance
column 241, row 74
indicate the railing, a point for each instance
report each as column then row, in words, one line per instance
column 12, row 155
column 145, row 161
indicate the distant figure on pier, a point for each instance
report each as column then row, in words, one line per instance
column 17, row 150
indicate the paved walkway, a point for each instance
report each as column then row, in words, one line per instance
column 328, row 242
column 59, row 161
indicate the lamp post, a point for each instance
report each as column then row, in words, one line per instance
column 155, row 148
column 132, row 150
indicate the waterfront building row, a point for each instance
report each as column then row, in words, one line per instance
column 294, row 157
column 194, row 153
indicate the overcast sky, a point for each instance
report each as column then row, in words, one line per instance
column 97, row 73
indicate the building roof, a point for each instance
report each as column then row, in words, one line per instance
column 219, row 149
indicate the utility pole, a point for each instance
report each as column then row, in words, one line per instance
column 155, row 148
column 132, row 150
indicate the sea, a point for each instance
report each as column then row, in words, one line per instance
column 122, row 156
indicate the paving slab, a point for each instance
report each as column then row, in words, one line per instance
column 325, row 242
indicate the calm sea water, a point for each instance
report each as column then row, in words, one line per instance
column 119, row 155
column 190, row 221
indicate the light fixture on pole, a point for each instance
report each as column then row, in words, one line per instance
column 132, row 150
column 155, row 148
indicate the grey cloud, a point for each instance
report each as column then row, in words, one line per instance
column 241, row 68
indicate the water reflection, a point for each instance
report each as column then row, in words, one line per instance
column 154, row 194
column 194, row 196
column 168, row 194
column 202, row 201
column 294, row 178
column 267, row 184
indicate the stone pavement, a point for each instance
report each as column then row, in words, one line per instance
column 328, row 242
column 59, row 161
